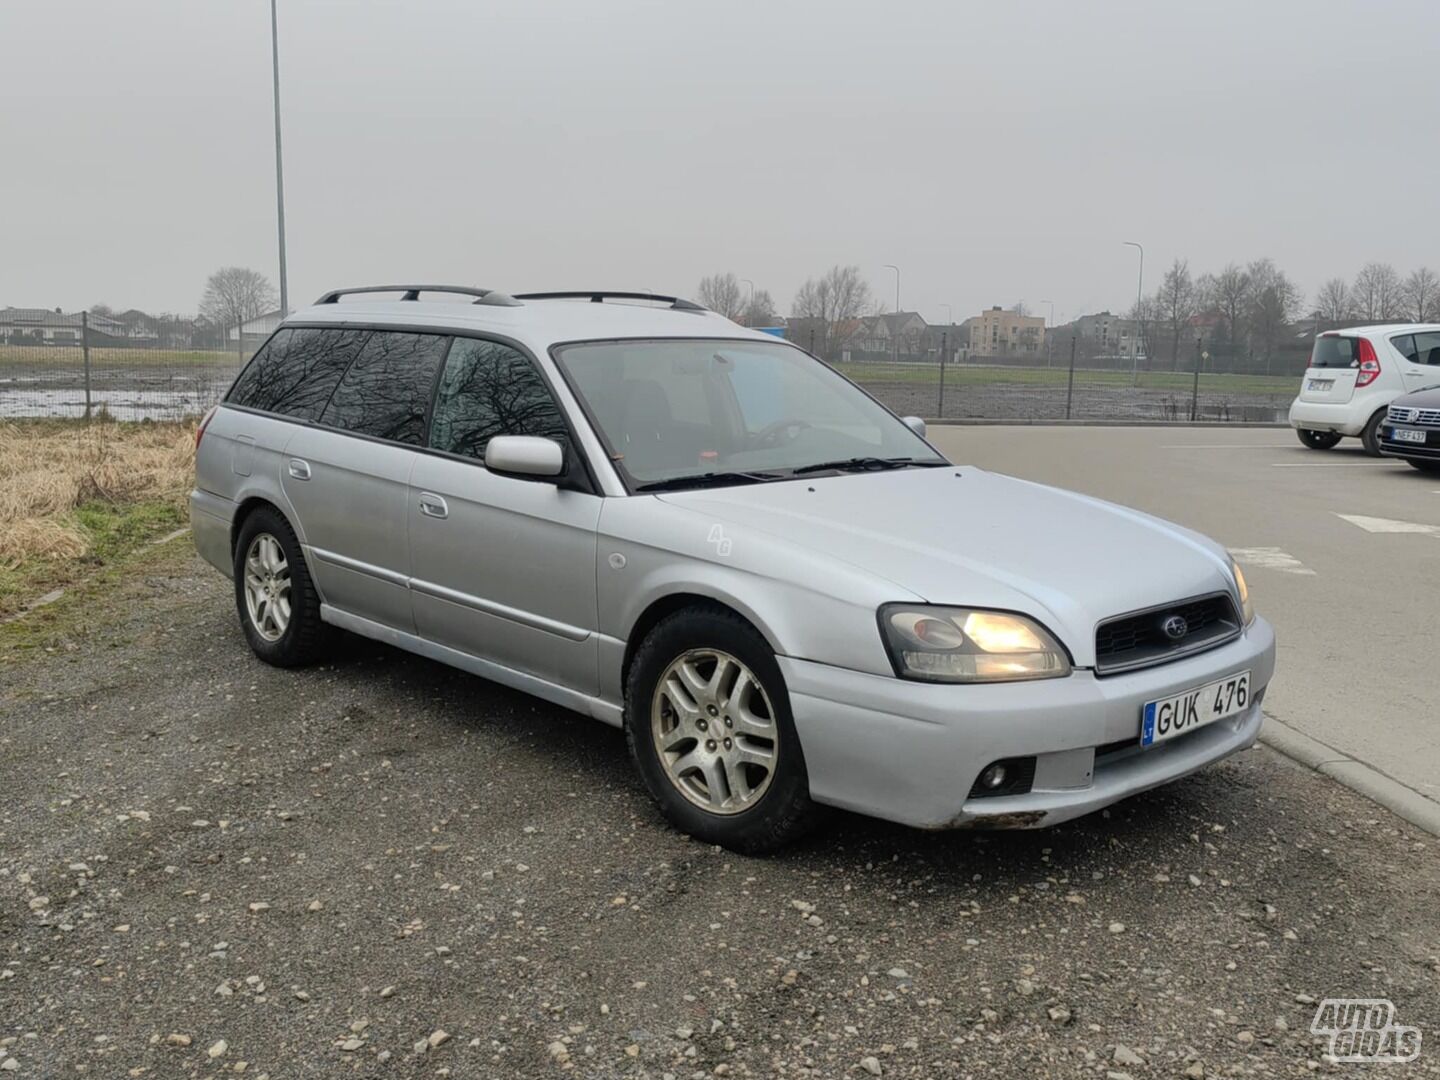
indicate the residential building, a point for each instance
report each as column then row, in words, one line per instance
column 1105, row 334
column 42, row 326
column 998, row 332
column 256, row 330
column 901, row 333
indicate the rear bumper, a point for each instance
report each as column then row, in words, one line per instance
column 1345, row 418
column 210, row 519
column 910, row 751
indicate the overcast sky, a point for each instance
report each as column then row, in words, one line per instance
column 993, row 150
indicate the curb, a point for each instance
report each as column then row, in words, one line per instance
column 1403, row 801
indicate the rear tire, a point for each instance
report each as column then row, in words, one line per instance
column 1432, row 467
column 1371, row 435
column 274, row 594
column 1318, row 440
column 707, row 718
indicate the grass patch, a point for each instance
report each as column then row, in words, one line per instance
column 964, row 375
column 74, row 497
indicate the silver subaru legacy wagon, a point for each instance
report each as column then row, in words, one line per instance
column 787, row 598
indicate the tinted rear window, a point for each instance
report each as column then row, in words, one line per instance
column 295, row 372
column 1333, row 352
column 386, row 391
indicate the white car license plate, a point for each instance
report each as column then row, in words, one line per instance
column 1172, row 716
column 1405, row 435
column 1321, row 384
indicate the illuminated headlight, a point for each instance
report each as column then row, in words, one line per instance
column 1247, row 608
column 947, row 644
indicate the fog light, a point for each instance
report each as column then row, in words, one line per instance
column 993, row 777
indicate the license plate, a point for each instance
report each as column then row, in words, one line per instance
column 1320, row 384
column 1183, row 713
column 1405, row 435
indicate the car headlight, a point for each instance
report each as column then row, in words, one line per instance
column 1247, row 609
column 952, row 644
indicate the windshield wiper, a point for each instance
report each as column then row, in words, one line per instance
column 864, row 464
column 709, row 479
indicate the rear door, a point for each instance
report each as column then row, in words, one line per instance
column 1331, row 374
column 502, row 568
column 1419, row 358
column 348, row 478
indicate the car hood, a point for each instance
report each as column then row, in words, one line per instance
column 961, row 535
column 1420, row 399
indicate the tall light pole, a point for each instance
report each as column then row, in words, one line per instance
column 1048, row 328
column 895, row 337
column 749, row 304
column 1139, row 311
column 279, row 164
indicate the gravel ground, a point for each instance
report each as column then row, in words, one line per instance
column 382, row 867
column 1020, row 401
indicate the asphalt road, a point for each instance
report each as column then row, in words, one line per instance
column 381, row 867
column 1354, row 602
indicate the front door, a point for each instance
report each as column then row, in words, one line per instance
column 501, row 568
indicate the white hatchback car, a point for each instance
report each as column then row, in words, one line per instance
column 780, row 590
column 1354, row 375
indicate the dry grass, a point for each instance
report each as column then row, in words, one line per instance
column 48, row 470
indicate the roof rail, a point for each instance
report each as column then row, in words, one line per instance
column 598, row 296
column 412, row 292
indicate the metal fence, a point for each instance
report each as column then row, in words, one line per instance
column 154, row 371
column 170, row 371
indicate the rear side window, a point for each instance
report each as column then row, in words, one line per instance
column 1427, row 348
column 386, row 390
column 295, row 372
column 490, row 389
column 1333, row 351
column 1405, row 345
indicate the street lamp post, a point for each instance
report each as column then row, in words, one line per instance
column 750, row 303
column 1139, row 312
column 895, row 338
column 1049, row 327
column 279, row 165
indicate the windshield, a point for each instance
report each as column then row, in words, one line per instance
column 740, row 411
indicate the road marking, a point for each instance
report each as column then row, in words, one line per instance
column 1227, row 446
column 1272, row 558
column 1389, row 525
column 1329, row 464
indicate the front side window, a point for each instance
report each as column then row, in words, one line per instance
column 295, row 372
column 386, row 390
column 490, row 389
column 678, row 410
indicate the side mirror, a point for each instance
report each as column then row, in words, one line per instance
column 525, row 455
column 915, row 424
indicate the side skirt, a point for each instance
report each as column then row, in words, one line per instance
column 570, row 699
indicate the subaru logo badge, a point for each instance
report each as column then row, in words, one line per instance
column 1175, row 627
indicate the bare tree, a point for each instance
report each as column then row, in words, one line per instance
column 1332, row 302
column 1177, row 305
column 838, row 297
column 761, row 311
column 1376, row 292
column 1231, row 297
column 1275, row 301
column 722, row 294
column 1421, row 295
column 233, row 296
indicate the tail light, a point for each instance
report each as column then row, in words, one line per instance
column 1369, row 363
column 204, row 423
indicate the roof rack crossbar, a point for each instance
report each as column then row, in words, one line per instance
column 410, row 292
column 599, row 296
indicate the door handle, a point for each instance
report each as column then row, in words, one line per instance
column 433, row 505
column 300, row 470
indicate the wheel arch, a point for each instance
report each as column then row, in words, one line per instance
column 667, row 605
column 248, row 506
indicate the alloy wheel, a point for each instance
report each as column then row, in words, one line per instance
column 714, row 730
column 267, row 587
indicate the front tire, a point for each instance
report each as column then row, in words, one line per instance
column 707, row 718
column 1371, row 435
column 276, row 598
column 1318, row 440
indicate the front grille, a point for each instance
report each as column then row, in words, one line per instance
column 1401, row 414
column 1139, row 639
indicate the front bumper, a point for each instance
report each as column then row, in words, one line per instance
column 1429, row 450
column 910, row 751
column 1346, row 418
